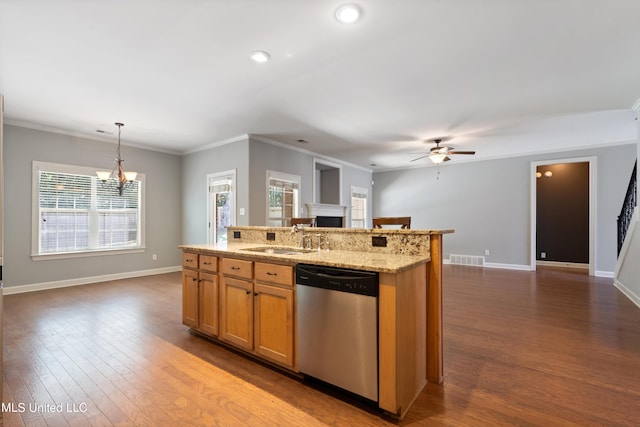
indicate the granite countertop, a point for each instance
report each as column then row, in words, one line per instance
column 384, row 263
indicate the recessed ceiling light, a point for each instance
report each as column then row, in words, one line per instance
column 260, row 56
column 348, row 13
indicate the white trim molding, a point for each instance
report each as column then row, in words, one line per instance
column 87, row 280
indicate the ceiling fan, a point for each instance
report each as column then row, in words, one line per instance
column 440, row 154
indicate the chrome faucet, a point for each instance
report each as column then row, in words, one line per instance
column 296, row 229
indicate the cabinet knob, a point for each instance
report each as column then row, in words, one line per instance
column 248, row 292
column 255, row 294
column 194, row 279
column 235, row 268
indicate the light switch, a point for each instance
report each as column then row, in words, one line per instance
column 241, row 211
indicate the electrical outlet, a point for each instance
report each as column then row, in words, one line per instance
column 236, row 234
column 379, row 241
column 486, row 252
column 154, row 257
column 271, row 236
column 543, row 255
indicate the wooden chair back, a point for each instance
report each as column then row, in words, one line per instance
column 311, row 222
column 403, row 221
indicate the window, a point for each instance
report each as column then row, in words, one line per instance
column 221, row 204
column 359, row 207
column 75, row 213
column 282, row 198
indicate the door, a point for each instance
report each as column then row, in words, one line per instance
column 274, row 323
column 236, row 312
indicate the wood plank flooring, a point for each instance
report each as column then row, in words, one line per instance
column 554, row 347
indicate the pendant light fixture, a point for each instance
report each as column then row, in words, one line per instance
column 123, row 179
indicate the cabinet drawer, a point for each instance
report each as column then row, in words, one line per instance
column 208, row 263
column 274, row 273
column 189, row 260
column 237, row 267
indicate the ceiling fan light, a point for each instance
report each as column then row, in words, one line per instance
column 437, row 158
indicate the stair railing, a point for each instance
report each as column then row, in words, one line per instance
column 630, row 201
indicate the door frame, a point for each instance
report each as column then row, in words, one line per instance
column 211, row 230
column 593, row 189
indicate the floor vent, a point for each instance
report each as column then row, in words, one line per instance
column 466, row 260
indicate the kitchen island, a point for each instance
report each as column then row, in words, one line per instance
column 242, row 293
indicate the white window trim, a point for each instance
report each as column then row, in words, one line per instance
column 359, row 190
column 37, row 166
column 211, row 237
column 281, row 176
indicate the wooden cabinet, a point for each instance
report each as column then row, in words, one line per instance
column 200, row 292
column 208, row 300
column 236, row 311
column 273, row 323
column 258, row 315
column 190, row 298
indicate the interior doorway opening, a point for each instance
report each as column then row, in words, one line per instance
column 563, row 215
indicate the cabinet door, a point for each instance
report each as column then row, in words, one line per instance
column 209, row 303
column 236, row 312
column 274, row 323
column 190, row 298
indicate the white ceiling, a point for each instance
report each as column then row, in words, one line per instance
column 502, row 77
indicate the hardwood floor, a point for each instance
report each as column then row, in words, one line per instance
column 548, row 348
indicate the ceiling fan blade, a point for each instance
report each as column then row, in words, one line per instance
column 418, row 158
column 462, row 152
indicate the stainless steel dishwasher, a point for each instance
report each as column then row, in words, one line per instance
column 337, row 313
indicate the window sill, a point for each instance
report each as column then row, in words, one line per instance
column 101, row 252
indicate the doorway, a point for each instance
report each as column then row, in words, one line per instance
column 563, row 215
column 221, row 202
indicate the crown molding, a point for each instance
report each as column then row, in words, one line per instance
column 266, row 140
column 90, row 137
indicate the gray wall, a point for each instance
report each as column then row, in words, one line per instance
column 264, row 156
column 163, row 211
column 195, row 168
column 488, row 203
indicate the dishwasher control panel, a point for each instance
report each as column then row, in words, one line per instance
column 338, row 279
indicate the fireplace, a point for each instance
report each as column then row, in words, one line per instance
column 328, row 215
column 329, row 221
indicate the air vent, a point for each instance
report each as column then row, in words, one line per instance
column 466, row 260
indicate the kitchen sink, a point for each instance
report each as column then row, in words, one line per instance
column 279, row 250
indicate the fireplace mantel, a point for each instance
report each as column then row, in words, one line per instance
column 324, row 209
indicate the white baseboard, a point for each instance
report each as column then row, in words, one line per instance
column 608, row 274
column 520, row 267
column 627, row 292
column 87, row 280
column 495, row 265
